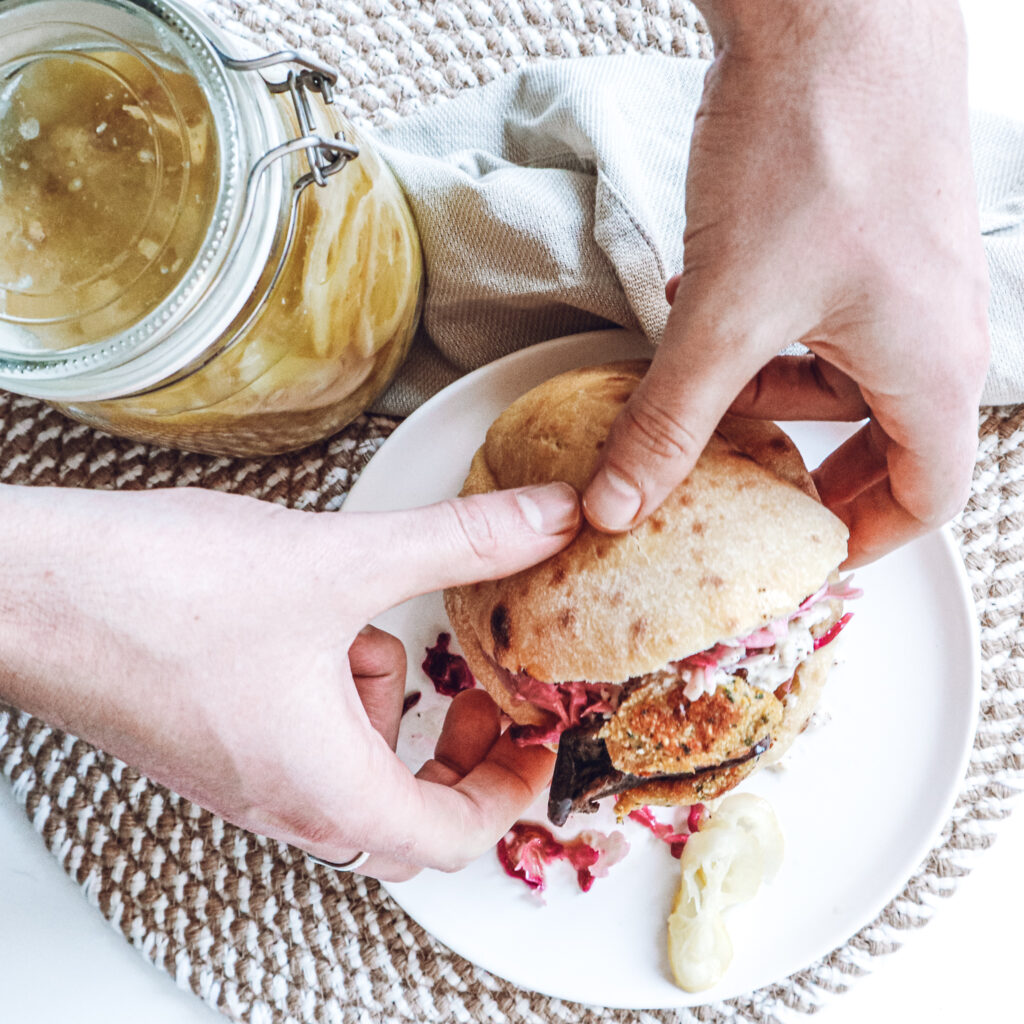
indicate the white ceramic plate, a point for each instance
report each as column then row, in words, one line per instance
column 861, row 799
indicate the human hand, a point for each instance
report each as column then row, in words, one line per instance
column 219, row 644
column 829, row 201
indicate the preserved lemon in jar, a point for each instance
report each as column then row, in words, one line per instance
column 195, row 249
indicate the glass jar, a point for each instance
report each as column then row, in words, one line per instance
column 195, row 249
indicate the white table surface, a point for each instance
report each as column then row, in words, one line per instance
column 60, row 962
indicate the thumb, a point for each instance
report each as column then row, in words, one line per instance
column 463, row 540
column 702, row 363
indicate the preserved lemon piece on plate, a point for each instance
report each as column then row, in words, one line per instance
column 723, row 864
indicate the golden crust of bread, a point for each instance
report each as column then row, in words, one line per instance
column 483, row 670
column 740, row 542
column 688, row 789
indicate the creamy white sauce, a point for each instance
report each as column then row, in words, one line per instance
column 766, row 669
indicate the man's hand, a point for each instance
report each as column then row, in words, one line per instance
column 829, row 201
column 220, row 645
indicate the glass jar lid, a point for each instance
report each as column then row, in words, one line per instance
column 125, row 145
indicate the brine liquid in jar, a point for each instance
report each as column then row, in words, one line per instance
column 315, row 348
column 108, row 179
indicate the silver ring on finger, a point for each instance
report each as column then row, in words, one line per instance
column 349, row 865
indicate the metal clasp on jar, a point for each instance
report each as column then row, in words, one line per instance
column 325, row 155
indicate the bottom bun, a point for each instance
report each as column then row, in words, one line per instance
column 521, row 712
column 801, row 702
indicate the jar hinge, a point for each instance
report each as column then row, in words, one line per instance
column 325, row 155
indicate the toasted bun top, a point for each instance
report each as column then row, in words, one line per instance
column 740, row 542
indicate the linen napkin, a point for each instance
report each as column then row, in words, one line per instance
column 551, row 201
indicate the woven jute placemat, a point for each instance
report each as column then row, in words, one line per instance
column 249, row 925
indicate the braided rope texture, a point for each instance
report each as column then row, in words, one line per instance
column 248, row 924
column 396, row 56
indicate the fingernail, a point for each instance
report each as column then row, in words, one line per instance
column 551, row 508
column 612, row 502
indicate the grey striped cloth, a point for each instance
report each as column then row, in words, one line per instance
column 551, row 201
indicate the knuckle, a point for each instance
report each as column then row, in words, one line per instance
column 925, row 516
column 392, row 649
column 953, row 385
column 959, row 495
column 978, row 354
column 659, row 432
column 935, row 512
column 979, row 286
column 966, row 358
column 456, row 864
column 401, row 874
column 957, row 371
column 477, row 835
column 457, row 857
column 384, row 645
column 475, row 527
column 938, row 515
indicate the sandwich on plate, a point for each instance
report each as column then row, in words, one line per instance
column 668, row 662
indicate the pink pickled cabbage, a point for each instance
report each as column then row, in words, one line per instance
column 569, row 702
column 832, row 632
column 666, row 833
column 842, row 590
column 448, row 672
column 709, row 658
column 734, row 654
column 694, row 820
column 527, row 849
column 777, row 629
column 610, row 850
column 767, row 636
